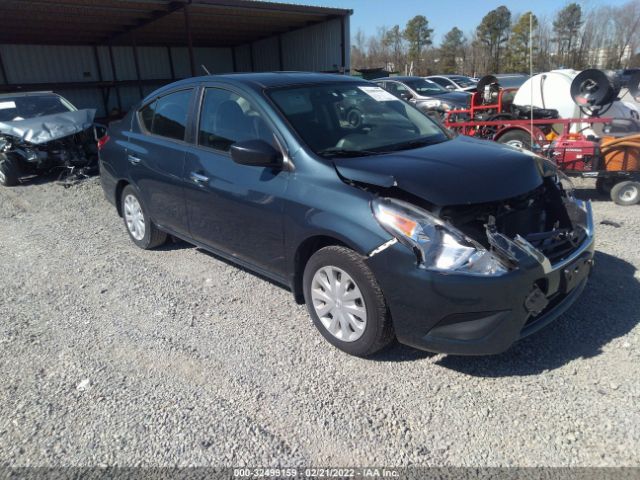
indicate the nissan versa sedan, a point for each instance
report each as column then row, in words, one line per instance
column 386, row 228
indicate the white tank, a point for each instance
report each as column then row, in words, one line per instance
column 553, row 90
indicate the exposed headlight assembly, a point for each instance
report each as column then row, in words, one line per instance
column 438, row 246
column 565, row 182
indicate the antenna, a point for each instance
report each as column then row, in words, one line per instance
column 205, row 69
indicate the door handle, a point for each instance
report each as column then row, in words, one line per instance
column 134, row 160
column 198, row 178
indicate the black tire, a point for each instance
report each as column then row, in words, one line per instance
column 626, row 193
column 153, row 237
column 378, row 331
column 604, row 185
column 516, row 138
column 9, row 175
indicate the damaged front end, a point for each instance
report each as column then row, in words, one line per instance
column 62, row 142
column 547, row 226
column 487, row 274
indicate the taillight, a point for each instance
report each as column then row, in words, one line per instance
column 103, row 141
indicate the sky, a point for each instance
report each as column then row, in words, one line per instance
column 443, row 15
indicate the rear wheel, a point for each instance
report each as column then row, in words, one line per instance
column 8, row 172
column 345, row 301
column 141, row 229
column 516, row 138
column 626, row 193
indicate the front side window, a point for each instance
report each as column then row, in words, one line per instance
column 440, row 81
column 397, row 89
column 167, row 116
column 227, row 118
column 348, row 119
column 464, row 82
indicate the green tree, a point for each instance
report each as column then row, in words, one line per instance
column 418, row 35
column 451, row 48
column 520, row 43
column 566, row 27
column 394, row 40
column 493, row 32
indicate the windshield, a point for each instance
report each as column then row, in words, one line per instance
column 512, row 81
column 464, row 82
column 425, row 87
column 354, row 120
column 17, row 108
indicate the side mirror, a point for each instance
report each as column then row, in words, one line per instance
column 406, row 96
column 257, row 153
column 450, row 87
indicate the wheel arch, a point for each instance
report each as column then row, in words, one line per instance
column 303, row 253
column 120, row 186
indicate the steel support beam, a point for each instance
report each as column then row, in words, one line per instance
column 115, row 78
column 187, row 29
column 137, row 63
column 171, row 67
column 105, row 91
column 5, row 79
column 280, row 56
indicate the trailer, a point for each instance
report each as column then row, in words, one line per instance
column 612, row 160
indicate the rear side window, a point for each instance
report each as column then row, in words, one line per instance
column 167, row 116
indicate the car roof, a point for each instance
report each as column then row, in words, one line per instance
column 260, row 81
column 403, row 78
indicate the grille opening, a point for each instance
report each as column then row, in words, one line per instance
column 540, row 216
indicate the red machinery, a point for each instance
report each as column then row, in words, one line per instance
column 492, row 115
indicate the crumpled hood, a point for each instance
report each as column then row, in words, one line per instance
column 455, row 172
column 44, row 129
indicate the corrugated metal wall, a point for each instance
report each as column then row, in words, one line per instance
column 314, row 48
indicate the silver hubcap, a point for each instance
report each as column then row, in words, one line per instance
column 339, row 304
column 134, row 217
column 629, row 193
column 516, row 143
column 2, row 176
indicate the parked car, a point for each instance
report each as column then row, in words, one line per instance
column 428, row 96
column 42, row 131
column 450, row 244
column 626, row 75
column 457, row 83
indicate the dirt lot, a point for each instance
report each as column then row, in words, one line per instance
column 113, row 355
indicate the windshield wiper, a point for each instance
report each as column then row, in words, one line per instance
column 345, row 153
column 416, row 143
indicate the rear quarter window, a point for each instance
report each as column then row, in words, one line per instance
column 167, row 116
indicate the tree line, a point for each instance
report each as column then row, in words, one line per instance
column 601, row 37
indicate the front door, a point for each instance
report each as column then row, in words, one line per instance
column 234, row 208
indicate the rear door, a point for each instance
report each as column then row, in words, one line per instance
column 237, row 209
column 156, row 154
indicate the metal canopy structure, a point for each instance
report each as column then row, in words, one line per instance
column 239, row 26
column 207, row 23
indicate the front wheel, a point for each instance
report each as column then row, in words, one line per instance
column 141, row 229
column 9, row 175
column 516, row 138
column 626, row 193
column 345, row 301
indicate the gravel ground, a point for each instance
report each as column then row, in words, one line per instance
column 110, row 355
